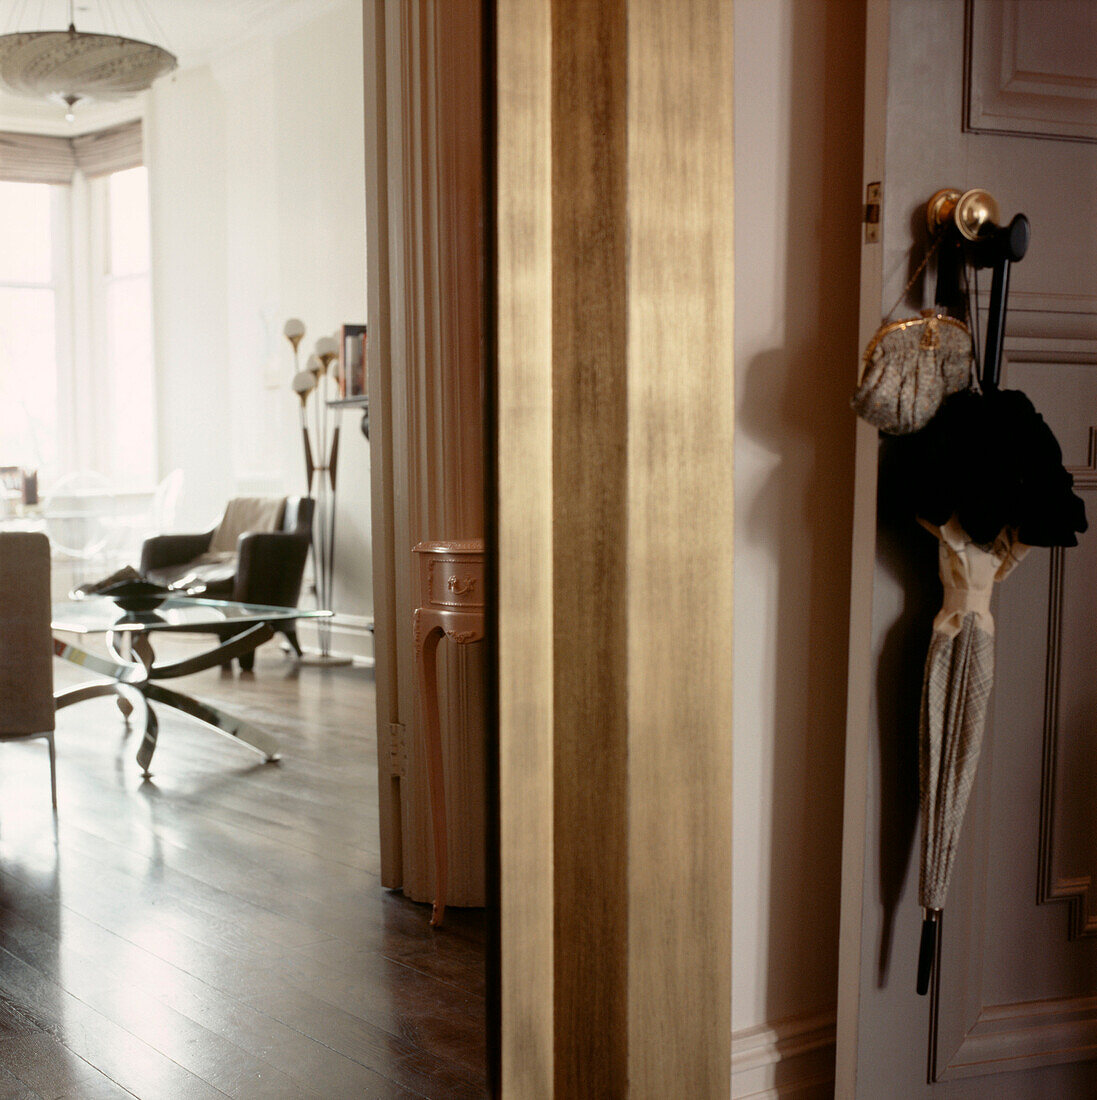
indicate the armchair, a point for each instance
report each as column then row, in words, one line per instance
column 255, row 555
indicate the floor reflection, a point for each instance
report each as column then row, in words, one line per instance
column 223, row 927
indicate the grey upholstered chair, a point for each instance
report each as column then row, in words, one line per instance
column 26, row 644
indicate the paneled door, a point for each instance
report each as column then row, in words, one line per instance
column 995, row 94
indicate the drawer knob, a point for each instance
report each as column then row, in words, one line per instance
column 461, row 587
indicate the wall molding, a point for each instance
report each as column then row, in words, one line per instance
column 793, row 1057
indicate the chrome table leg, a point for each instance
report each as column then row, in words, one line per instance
column 229, row 725
column 132, row 674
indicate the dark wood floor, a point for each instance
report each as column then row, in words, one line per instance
column 221, row 929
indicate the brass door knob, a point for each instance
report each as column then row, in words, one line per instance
column 972, row 212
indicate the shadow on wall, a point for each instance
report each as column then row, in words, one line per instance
column 909, row 553
column 795, row 403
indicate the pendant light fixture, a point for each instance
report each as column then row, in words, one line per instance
column 72, row 66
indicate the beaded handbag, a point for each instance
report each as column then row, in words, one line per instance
column 910, row 367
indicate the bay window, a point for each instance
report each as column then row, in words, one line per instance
column 76, row 351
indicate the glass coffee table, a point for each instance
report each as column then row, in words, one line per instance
column 134, row 673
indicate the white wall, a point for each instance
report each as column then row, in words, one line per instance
column 798, row 103
column 185, row 145
column 258, row 210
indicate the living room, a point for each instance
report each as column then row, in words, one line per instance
column 254, row 157
column 252, row 172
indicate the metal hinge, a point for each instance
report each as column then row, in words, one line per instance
column 398, row 755
column 874, row 201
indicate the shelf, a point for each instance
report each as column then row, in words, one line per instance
column 353, row 403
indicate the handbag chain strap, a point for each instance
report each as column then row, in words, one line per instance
column 917, row 273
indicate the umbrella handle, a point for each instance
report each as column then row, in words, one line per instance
column 927, row 949
column 1007, row 245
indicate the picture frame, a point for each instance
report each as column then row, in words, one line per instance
column 353, row 374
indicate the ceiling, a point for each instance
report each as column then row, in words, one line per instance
column 196, row 31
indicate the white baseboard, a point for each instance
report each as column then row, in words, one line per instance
column 791, row 1058
column 350, row 634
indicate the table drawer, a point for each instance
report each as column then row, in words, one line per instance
column 451, row 576
column 454, row 583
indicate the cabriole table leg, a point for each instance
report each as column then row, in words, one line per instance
column 426, row 660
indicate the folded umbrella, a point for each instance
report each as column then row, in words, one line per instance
column 986, row 476
column 958, row 677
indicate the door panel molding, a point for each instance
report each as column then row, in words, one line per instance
column 1027, row 1035
column 1055, row 884
column 1049, row 316
column 1017, row 83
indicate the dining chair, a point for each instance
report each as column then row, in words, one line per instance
column 26, row 643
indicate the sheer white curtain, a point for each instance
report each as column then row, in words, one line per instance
column 32, row 301
column 76, row 358
column 121, row 329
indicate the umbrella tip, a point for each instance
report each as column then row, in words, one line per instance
column 927, row 949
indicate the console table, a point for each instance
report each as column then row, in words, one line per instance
column 451, row 604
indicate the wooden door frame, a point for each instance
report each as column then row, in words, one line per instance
column 861, row 665
column 614, row 417
column 610, row 273
column 424, row 195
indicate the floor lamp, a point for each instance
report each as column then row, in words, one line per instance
column 321, row 461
